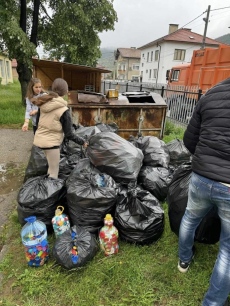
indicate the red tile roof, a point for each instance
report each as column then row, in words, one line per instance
column 183, row 35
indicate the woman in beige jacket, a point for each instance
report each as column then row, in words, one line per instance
column 54, row 121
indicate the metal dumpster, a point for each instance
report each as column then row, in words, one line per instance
column 135, row 113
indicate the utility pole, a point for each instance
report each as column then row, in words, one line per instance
column 206, row 20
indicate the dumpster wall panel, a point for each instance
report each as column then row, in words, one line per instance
column 131, row 119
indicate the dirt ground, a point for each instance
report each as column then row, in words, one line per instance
column 14, row 155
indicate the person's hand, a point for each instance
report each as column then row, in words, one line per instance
column 33, row 112
column 25, row 127
column 85, row 145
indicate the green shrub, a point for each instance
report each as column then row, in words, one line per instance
column 172, row 132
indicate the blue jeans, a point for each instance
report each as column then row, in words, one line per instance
column 203, row 195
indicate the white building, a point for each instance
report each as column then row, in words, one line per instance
column 171, row 50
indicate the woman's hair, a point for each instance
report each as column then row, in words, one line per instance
column 60, row 86
column 44, row 98
column 30, row 92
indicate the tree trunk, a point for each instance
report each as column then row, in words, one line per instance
column 23, row 15
column 34, row 31
column 24, row 76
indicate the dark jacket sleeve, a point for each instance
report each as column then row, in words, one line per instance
column 192, row 133
column 66, row 122
column 38, row 116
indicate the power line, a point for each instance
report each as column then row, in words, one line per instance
column 221, row 8
column 192, row 20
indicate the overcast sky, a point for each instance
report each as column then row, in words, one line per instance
column 143, row 21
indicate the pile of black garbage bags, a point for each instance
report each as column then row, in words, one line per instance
column 126, row 178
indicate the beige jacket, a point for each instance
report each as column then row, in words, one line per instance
column 50, row 132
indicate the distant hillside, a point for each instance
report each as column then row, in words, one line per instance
column 225, row 39
column 107, row 58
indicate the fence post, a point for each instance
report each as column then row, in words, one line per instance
column 127, row 87
column 109, row 85
column 162, row 91
column 104, row 87
column 141, row 87
column 199, row 94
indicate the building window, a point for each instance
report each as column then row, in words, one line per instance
column 142, row 65
column 135, row 78
column 156, row 55
column 122, row 67
column 136, row 67
column 147, row 71
column 8, row 69
column 179, row 55
column 2, row 71
column 175, row 75
column 151, row 56
column 147, row 56
column 155, row 73
column 143, row 55
column 150, row 72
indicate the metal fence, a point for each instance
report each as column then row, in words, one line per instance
column 181, row 100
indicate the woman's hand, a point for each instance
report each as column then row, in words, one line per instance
column 85, row 145
column 33, row 112
column 25, row 127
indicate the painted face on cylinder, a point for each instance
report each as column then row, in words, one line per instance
column 109, row 222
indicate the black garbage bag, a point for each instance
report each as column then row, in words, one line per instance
column 110, row 127
column 39, row 197
column 133, row 140
column 37, row 164
column 156, row 180
column 115, row 156
column 67, row 164
column 64, row 168
column 75, row 247
column 178, row 195
column 69, row 147
column 70, row 154
column 87, row 131
column 208, row 231
column 156, row 153
column 90, row 196
column 139, row 216
column 178, row 152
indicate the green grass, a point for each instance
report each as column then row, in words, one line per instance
column 136, row 276
column 12, row 112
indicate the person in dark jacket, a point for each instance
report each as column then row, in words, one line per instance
column 207, row 137
column 54, row 121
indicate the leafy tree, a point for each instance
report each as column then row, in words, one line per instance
column 68, row 30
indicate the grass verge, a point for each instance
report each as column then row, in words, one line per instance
column 137, row 275
column 12, row 111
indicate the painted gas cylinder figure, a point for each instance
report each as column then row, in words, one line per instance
column 108, row 237
column 60, row 221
